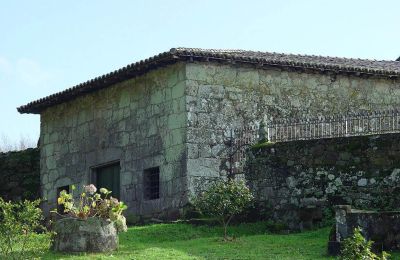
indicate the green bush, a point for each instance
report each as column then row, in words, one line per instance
column 19, row 223
column 357, row 247
column 223, row 200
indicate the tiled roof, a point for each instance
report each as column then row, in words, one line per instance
column 389, row 69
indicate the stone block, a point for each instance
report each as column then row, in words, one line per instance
column 91, row 235
column 178, row 90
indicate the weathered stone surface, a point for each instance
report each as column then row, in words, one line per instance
column 91, row 235
column 186, row 110
column 222, row 97
column 363, row 183
column 381, row 227
column 139, row 122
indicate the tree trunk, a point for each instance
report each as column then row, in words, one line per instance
column 225, row 228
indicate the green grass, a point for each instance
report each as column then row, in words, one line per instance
column 184, row 241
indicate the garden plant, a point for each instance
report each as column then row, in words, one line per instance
column 223, row 200
column 19, row 224
column 90, row 222
column 93, row 204
column 357, row 247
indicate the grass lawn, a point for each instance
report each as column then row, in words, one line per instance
column 183, row 241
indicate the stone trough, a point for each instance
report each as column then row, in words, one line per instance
column 91, row 235
column 382, row 227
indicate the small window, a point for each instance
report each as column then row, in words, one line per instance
column 60, row 208
column 151, row 179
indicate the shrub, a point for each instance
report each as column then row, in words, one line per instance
column 223, row 200
column 93, row 204
column 276, row 227
column 19, row 223
column 357, row 247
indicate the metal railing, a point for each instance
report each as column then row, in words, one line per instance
column 241, row 138
column 367, row 123
column 292, row 129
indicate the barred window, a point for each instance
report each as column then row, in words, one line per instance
column 151, row 180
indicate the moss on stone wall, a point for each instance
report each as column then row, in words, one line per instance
column 19, row 173
column 310, row 175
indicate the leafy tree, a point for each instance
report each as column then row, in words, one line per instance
column 223, row 200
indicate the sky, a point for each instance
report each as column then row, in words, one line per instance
column 48, row 46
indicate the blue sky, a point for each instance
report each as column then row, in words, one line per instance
column 47, row 46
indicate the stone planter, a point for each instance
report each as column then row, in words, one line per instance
column 91, row 235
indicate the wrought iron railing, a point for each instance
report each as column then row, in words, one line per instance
column 291, row 129
column 366, row 123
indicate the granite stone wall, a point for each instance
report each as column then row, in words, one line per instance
column 220, row 97
column 179, row 118
column 19, row 174
column 139, row 123
column 299, row 179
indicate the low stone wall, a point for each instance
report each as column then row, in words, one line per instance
column 381, row 227
column 19, row 175
column 299, row 179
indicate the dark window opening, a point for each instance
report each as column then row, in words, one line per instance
column 151, row 183
column 109, row 177
column 60, row 208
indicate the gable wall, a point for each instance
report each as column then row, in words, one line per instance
column 220, row 97
column 140, row 122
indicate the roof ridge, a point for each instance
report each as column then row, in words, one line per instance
column 205, row 50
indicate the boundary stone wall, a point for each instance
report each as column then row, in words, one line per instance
column 299, row 180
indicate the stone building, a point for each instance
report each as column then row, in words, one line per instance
column 157, row 129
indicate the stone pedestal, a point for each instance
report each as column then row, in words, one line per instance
column 91, row 235
column 382, row 227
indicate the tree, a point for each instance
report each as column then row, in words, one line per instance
column 223, row 200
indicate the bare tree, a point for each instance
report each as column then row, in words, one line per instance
column 24, row 142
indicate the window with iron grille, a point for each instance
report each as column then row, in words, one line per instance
column 151, row 179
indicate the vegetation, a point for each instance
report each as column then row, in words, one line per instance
column 184, row 241
column 19, row 223
column 24, row 142
column 357, row 247
column 262, row 144
column 93, row 204
column 223, row 200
